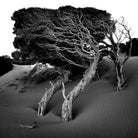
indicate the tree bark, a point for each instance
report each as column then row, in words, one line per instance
column 70, row 98
column 47, row 96
column 121, row 82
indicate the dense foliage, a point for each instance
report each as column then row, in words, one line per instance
column 134, row 51
column 52, row 36
column 5, row 64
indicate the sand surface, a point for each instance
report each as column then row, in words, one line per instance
column 99, row 112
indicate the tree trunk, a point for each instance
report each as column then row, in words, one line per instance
column 121, row 82
column 67, row 104
column 50, row 92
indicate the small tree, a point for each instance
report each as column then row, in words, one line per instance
column 118, row 33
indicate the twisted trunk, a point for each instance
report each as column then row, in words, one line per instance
column 47, row 96
column 70, row 98
column 121, row 81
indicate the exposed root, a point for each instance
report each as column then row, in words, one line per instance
column 122, row 86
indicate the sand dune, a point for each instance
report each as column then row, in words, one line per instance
column 99, row 112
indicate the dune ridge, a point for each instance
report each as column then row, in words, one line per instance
column 99, row 112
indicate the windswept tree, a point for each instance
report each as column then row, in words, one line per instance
column 118, row 34
column 66, row 36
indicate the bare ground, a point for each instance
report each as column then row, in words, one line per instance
column 99, row 112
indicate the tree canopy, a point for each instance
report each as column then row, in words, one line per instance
column 59, row 36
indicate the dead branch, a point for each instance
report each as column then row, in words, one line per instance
column 29, row 126
column 45, row 98
column 63, row 91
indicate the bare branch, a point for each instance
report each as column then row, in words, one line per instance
column 63, row 92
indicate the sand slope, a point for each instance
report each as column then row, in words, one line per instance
column 99, row 112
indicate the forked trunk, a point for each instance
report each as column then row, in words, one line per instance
column 121, row 82
column 50, row 92
column 67, row 104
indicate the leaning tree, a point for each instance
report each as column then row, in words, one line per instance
column 66, row 36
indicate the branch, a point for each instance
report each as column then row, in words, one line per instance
column 68, row 60
column 63, row 92
column 29, row 126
